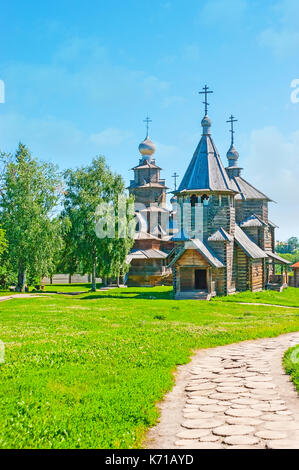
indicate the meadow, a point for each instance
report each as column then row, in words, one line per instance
column 291, row 367
column 87, row 371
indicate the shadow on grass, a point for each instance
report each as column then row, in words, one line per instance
column 131, row 295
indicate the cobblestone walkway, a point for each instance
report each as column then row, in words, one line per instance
column 235, row 396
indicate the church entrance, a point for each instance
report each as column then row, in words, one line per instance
column 201, row 279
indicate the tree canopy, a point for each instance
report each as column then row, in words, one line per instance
column 92, row 194
column 29, row 195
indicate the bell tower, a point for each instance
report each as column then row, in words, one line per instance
column 147, row 186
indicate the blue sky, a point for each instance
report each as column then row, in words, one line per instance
column 80, row 77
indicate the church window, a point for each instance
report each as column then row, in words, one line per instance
column 204, row 199
column 194, row 200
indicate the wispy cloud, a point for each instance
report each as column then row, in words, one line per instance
column 283, row 40
column 223, row 13
column 271, row 149
column 110, row 137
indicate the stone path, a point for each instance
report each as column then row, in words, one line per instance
column 18, row 296
column 235, row 396
column 265, row 305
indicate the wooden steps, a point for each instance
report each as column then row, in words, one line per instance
column 274, row 286
column 193, row 295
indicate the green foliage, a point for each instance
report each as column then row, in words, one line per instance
column 291, row 367
column 87, row 371
column 291, row 246
column 86, row 189
column 28, row 198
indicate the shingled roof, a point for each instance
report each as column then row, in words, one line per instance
column 246, row 190
column 247, row 245
column 203, row 248
column 206, row 170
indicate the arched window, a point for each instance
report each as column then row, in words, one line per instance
column 194, row 200
column 204, row 199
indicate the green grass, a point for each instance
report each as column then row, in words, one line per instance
column 291, row 366
column 69, row 287
column 288, row 297
column 87, row 371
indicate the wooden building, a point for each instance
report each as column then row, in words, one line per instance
column 148, row 258
column 225, row 241
column 295, row 281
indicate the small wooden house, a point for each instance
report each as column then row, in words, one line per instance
column 295, row 281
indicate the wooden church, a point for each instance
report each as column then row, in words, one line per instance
column 218, row 240
column 148, row 258
column 225, row 242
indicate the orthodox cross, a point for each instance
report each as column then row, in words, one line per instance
column 232, row 120
column 205, row 102
column 147, row 120
column 175, row 176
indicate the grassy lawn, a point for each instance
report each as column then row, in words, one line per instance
column 288, row 297
column 292, row 367
column 87, row 371
column 69, row 287
column 82, row 287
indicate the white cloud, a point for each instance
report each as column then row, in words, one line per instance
column 274, row 162
column 284, row 39
column 88, row 49
column 223, row 13
column 110, row 137
column 152, row 85
column 172, row 100
column 282, row 43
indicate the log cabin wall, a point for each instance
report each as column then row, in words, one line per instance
column 219, row 277
column 256, row 275
column 262, row 236
column 220, row 213
column 296, row 278
column 241, row 269
column 230, row 281
column 245, row 209
column 185, row 269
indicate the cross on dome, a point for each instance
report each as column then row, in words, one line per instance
column 205, row 92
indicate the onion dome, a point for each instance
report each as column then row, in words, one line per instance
column 232, row 156
column 206, row 124
column 147, row 148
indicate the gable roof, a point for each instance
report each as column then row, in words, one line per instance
column 277, row 257
column 272, row 224
column 247, row 245
column 220, row 236
column 203, row 249
column 253, row 221
column 146, row 254
column 206, row 170
column 246, row 190
column 142, row 235
column 146, row 164
column 296, row 265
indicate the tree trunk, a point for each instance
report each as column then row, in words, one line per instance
column 93, row 278
column 21, row 281
column 70, row 278
column 117, row 280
